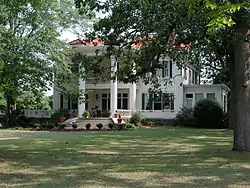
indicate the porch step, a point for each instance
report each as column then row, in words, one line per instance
column 93, row 121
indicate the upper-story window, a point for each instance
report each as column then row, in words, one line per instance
column 166, row 68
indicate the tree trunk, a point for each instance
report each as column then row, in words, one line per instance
column 232, row 97
column 241, row 84
column 11, row 110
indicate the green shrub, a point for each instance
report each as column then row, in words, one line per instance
column 147, row 122
column 61, row 126
column 130, row 126
column 120, row 126
column 185, row 118
column 88, row 125
column 86, row 114
column 136, row 118
column 60, row 113
column 111, row 125
column 48, row 126
column 99, row 126
column 3, row 120
column 74, row 125
column 208, row 114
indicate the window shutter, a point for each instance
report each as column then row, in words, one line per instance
column 170, row 69
column 143, row 101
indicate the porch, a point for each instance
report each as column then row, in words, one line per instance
column 98, row 102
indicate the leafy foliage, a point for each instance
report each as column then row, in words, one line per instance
column 31, row 51
column 111, row 125
column 130, row 126
column 99, row 126
column 88, row 125
column 136, row 118
column 208, row 114
column 74, row 126
column 185, row 117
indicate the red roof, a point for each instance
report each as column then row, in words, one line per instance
column 138, row 44
column 95, row 42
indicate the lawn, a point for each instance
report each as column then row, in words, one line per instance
column 160, row 157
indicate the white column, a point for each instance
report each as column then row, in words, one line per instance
column 132, row 97
column 56, row 98
column 113, row 86
column 81, row 106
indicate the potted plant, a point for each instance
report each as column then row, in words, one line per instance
column 99, row 126
column 88, row 126
column 116, row 114
column 86, row 114
column 119, row 120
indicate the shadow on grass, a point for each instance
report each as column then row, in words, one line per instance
column 142, row 158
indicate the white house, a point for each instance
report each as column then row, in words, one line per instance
column 107, row 97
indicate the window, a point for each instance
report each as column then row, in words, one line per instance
column 198, row 97
column 105, row 101
column 189, row 103
column 122, row 101
column 189, row 95
column 61, row 101
column 211, row 96
column 157, row 102
column 165, row 69
column 189, row 100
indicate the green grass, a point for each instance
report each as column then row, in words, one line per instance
column 142, row 158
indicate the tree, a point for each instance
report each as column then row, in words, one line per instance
column 33, row 100
column 183, row 30
column 31, row 51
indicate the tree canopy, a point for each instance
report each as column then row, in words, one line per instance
column 31, row 51
column 207, row 33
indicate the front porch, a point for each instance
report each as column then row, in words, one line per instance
column 98, row 103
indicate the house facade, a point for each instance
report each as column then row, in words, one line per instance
column 104, row 98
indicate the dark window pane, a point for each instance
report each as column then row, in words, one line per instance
column 125, row 104
column 189, row 95
column 157, row 106
column 119, row 95
column 104, row 95
column 143, row 101
column 125, row 95
column 119, row 103
column 61, row 101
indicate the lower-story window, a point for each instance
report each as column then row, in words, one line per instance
column 157, row 102
column 122, row 101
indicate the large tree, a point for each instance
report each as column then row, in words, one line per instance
column 31, row 51
column 183, row 30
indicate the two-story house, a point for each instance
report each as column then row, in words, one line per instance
column 107, row 97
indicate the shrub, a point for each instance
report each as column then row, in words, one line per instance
column 99, row 126
column 60, row 113
column 121, row 126
column 111, row 125
column 3, row 120
column 185, row 118
column 86, row 114
column 61, row 126
column 130, row 126
column 88, row 126
column 49, row 125
column 208, row 114
column 147, row 122
column 136, row 118
column 74, row 126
